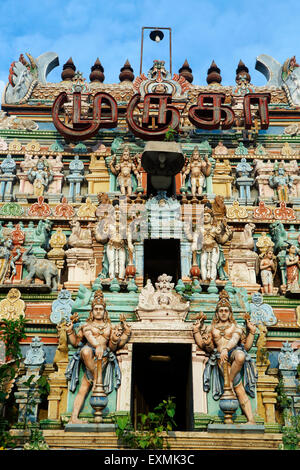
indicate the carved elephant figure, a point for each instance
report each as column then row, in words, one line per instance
column 43, row 269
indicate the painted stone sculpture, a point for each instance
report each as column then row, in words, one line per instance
column 96, row 340
column 24, row 76
column 281, row 182
column 161, row 303
column 292, row 268
column 243, row 180
column 80, row 258
column 62, row 307
column 268, row 267
column 35, row 355
column 42, row 269
column 227, row 343
column 261, row 313
column 242, row 260
column 12, row 307
column 286, row 76
column 87, row 210
column 198, row 169
column 288, row 359
column 8, row 259
column 211, row 253
column 7, row 178
column 75, row 177
column 118, row 250
column 40, row 176
column 124, row 170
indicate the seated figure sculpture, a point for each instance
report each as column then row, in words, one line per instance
column 96, row 340
column 226, row 341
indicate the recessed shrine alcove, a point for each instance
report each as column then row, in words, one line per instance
column 160, row 371
column 162, row 255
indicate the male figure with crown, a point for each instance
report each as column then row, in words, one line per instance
column 226, row 341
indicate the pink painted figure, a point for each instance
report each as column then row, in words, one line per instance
column 292, row 268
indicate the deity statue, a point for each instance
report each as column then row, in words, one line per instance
column 281, row 182
column 162, row 297
column 62, row 307
column 211, row 253
column 268, row 267
column 40, row 176
column 292, row 268
column 12, row 307
column 75, row 177
column 226, row 342
column 96, row 341
column 80, row 237
column 88, row 209
column 35, row 355
column 261, row 313
column 7, row 259
column 116, row 256
column 199, row 169
column 123, row 171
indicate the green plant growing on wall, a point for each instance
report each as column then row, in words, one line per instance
column 291, row 431
column 283, row 401
column 39, row 388
column 149, row 434
column 11, row 333
column 291, row 434
column 170, row 134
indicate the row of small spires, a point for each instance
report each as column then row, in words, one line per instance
column 126, row 72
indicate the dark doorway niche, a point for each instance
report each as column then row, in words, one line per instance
column 168, row 184
column 160, row 371
column 162, row 256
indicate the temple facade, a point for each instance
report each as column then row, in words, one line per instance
column 149, row 234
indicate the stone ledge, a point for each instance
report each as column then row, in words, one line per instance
column 90, row 427
column 236, row 428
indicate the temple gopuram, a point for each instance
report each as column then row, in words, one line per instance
column 150, row 253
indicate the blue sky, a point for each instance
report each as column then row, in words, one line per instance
column 203, row 30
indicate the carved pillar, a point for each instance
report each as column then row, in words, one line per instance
column 81, row 267
column 98, row 179
column 198, row 364
column 139, row 263
column 222, row 180
column 266, row 395
column 57, row 398
column 124, row 391
column 98, row 249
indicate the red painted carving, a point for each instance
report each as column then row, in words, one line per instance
column 262, row 99
column 262, row 212
column 167, row 116
column 18, row 239
column 39, row 209
column 284, row 213
column 85, row 128
column 210, row 112
column 64, row 209
column 18, row 236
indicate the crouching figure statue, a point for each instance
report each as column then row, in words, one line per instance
column 227, row 344
column 97, row 342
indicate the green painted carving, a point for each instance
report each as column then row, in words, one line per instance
column 12, row 209
column 80, row 148
column 56, row 147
